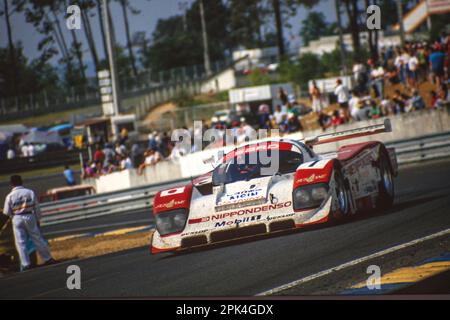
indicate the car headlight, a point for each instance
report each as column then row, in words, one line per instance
column 302, row 196
column 171, row 221
column 310, row 196
column 319, row 193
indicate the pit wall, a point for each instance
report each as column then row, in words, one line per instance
column 404, row 126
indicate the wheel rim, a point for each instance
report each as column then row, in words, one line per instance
column 387, row 180
column 342, row 199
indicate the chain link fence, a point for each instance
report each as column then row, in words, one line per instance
column 45, row 102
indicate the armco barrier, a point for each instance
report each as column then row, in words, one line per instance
column 86, row 207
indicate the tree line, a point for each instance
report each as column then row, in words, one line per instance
column 175, row 42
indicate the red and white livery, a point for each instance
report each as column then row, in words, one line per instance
column 275, row 185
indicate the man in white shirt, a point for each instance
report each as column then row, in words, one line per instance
column 413, row 65
column 11, row 154
column 341, row 91
column 22, row 206
column 354, row 104
column 278, row 115
column 126, row 163
column 24, row 150
column 31, row 150
column 152, row 157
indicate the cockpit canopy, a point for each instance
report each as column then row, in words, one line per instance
column 256, row 161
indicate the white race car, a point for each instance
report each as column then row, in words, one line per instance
column 246, row 195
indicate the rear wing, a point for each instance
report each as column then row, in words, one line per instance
column 349, row 134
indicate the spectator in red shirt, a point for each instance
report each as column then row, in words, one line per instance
column 99, row 155
column 336, row 119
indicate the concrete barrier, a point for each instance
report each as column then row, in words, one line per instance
column 162, row 172
column 404, row 126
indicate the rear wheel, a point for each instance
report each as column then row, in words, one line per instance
column 386, row 184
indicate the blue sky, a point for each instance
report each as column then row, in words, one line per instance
column 151, row 11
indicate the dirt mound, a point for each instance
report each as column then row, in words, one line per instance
column 155, row 114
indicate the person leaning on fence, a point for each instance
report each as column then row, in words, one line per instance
column 152, row 157
column 22, row 206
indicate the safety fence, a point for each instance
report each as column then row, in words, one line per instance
column 86, row 207
column 88, row 96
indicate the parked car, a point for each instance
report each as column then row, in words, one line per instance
column 67, row 192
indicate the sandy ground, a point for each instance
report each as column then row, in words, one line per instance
column 97, row 246
column 80, row 248
column 155, row 114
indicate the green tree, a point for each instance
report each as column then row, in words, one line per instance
column 7, row 11
column 86, row 7
column 308, row 66
column 46, row 16
column 353, row 13
column 281, row 10
column 315, row 26
column 246, row 20
column 126, row 6
column 258, row 77
column 34, row 76
column 172, row 47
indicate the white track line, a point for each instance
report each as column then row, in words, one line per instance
column 351, row 263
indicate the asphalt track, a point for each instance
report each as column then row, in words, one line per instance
column 422, row 207
column 100, row 224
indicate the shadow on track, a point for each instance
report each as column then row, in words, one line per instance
column 359, row 217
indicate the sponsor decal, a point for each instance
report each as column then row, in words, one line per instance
column 170, row 204
column 243, row 195
column 257, row 148
column 254, row 148
column 172, row 192
column 312, row 178
column 198, row 220
column 237, row 221
column 270, row 218
column 193, row 233
column 242, row 212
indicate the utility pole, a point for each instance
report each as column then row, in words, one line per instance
column 400, row 22
column 111, row 58
column 341, row 36
column 205, row 40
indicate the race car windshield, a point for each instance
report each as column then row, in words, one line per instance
column 257, row 164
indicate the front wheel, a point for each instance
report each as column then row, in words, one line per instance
column 386, row 184
column 343, row 195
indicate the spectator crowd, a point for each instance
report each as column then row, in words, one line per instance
column 404, row 70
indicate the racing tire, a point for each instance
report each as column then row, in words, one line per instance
column 343, row 194
column 386, row 185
